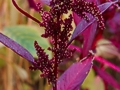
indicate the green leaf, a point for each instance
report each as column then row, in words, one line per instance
column 26, row 35
column 88, row 81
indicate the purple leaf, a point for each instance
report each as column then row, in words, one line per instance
column 83, row 24
column 88, row 35
column 32, row 4
column 114, row 23
column 16, row 47
column 102, row 60
column 106, row 77
column 77, row 88
column 74, row 76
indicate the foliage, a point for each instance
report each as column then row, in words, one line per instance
column 92, row 19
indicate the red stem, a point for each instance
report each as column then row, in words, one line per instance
column 25, row 13
column 56, row 65
column 56, row 60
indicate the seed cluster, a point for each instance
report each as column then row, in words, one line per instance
column 60, row 6
column 43, row 64
column 62, row 37
column 80, row 7
column 58, row 30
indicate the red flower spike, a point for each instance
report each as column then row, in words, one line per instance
column 58, row 30
column 43, row 64
column 60, row 6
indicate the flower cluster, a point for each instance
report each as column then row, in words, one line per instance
column 82, row 7
column 60, row 33
column 58, row 29
column 43, row 63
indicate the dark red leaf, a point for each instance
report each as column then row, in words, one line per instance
column 114, row 23
column 98, row 36
column 74, row 76
column 89, row 35
column 106, row 77
column 16, row 47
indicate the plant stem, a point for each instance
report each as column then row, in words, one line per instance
column 55, row 71
column 56, row 65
